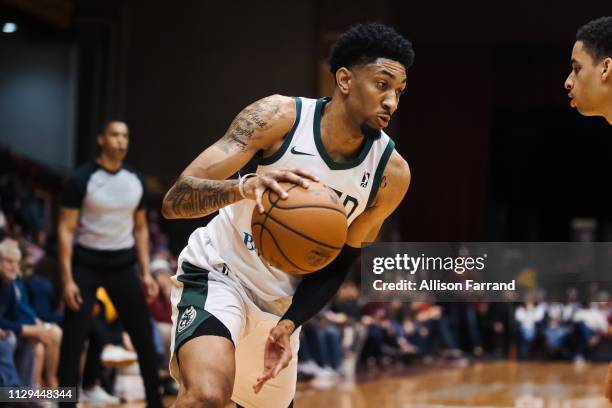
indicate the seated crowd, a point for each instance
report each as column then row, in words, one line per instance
column 346, row 340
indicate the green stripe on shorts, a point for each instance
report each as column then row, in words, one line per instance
column 191, row 311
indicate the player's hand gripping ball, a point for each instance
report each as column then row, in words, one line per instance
column 302, row 233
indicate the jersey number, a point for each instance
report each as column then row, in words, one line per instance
column 349, row 202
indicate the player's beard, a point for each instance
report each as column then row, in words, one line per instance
column 369, row 132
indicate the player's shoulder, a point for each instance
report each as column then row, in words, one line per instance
column 283, row 101
column 275, row 106
column 398, row 169
column 271, row 117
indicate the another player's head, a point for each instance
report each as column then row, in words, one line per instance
column 114, row 139
column 590, row 81
column 369, row 62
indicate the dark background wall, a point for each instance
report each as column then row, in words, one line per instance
column 193, row 68
column 38, row 96
column 486, row 124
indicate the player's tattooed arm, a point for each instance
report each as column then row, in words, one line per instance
column 202, row 188
column 393, row 187
column 251, row 124
column 192, row 197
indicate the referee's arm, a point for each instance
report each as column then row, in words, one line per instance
column 66, row 227
column 141, row 242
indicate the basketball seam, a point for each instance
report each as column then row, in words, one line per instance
column 263, row 227
column 312, row 206
column 274, row 203
column 263, row 223
column 304, row 235
column 277, row 200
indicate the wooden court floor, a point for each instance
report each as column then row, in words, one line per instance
column 490, row 384
column 495, row 384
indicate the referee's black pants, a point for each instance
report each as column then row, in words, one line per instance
column 123, row 287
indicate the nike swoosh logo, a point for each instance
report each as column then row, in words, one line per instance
column 300, row 153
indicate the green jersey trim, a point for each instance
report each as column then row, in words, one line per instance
column 321, row 148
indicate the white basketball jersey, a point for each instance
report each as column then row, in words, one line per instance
column 356, row 183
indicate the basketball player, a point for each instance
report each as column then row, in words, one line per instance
column 590, row 84
column 233, row 314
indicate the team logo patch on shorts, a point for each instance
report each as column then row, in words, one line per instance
column 187, row 318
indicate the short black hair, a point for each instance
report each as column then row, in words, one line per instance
column 364, row 43
column 596, row 35
column 104, row 124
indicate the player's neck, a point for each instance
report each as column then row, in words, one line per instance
column 342, row 138
column 108, row 163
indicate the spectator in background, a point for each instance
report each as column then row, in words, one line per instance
column 322, row 353
column 425, row 325
column 161, row 312
column 46, row 354
column 528, row 316
column 497, row 326
column 463, row 319
column 44, row 290
column 345, row 312
column 105, row 348
column 558, row 327
column 591, row 323
column 28, row 335
column 8, row 372
column 385, row 338
column 160, row 307
column 103, row 212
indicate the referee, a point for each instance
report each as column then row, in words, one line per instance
column 103, row 233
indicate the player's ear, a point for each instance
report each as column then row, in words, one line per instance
column 606, row 71
column 343, row 80
column 99, row 140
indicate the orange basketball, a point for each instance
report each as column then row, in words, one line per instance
column 303, row 233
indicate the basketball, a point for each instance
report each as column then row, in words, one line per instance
column 303, row 233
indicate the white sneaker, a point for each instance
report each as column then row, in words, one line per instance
column 97, row 396
column 322, row 383
column 329, row 373
column 309, row 367
column 116, row 356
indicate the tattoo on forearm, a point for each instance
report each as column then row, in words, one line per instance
column 191, row 197
column 253, row 119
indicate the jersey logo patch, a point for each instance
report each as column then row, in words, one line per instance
column 300, row 153
column 187, row 318
column 365, row 179
column 248, row 241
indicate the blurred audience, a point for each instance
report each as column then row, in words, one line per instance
column 346, row 340
column 17, row 317
column 529, row 316
column 161, row 313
